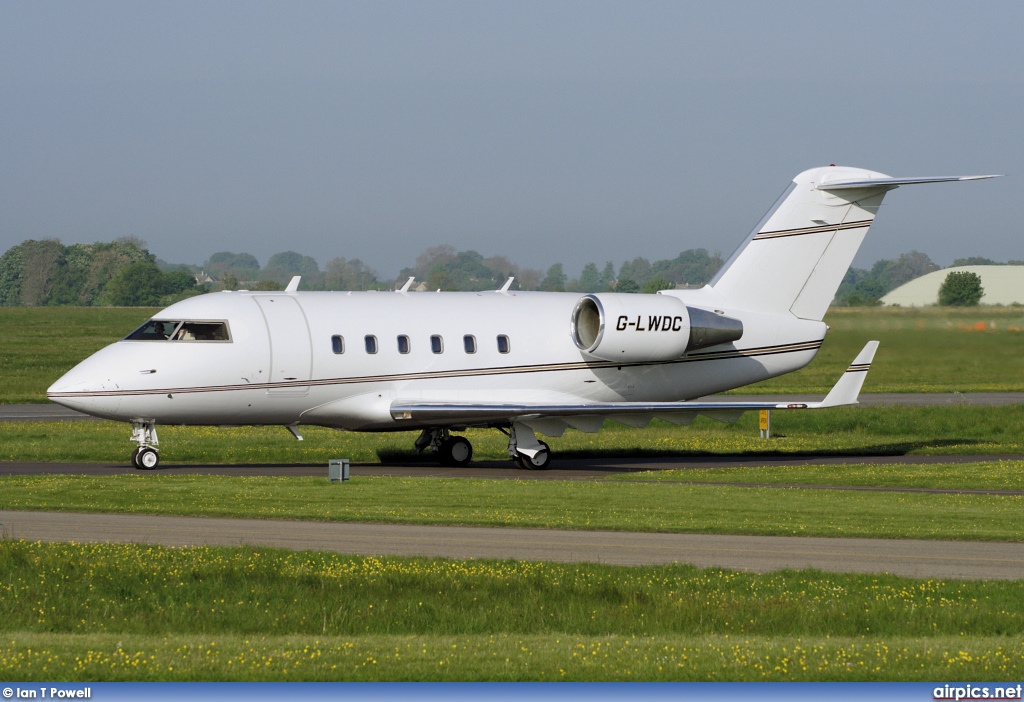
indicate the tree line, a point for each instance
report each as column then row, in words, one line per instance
column 125, row 273
column 119, row 273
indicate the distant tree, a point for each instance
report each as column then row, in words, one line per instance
column 627, row 285
column 49, row 273
column 431, row 258
column 608, row 276
column 637, row 270
column 145, row 285
column 243, row 266
column 866, row 287
column 229, row 281
column 70, row 286
column 554, row 279
column 137, row 285
column 10, row 277
column 908, row 267
column 105, row 260
column 974, row 261
column 502, row 269
column 653, row 285
column 282, row 267
column 40, row 261
column 342, row 274
column 464, row 271
column 266, row 285
column 692, row 267
column 590, row 279
column 961, row 289
column 440, row 279
column 528, row 279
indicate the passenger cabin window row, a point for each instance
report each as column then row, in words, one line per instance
column 405, row 345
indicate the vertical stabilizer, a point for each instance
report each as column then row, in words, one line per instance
column 795, row 259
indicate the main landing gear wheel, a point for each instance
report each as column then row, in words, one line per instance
column 455, row 451
column 539, row 461
column 145, row 458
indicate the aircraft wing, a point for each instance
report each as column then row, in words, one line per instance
column 588, row 416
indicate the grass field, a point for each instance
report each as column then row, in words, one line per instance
column 574, row 504
column 922, row 350
column 931, row 349
column 88, row 612
column 42, row 343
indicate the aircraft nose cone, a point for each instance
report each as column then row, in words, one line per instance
column 82, row 390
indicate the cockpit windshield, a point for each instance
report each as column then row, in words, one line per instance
column 178, row 330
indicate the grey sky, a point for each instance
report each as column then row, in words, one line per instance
column 544, row 131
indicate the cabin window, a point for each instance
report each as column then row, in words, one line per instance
column 469, row 343
column 176, row 330
column 371, row 343
column 338, row 343
column 403, row 344
column 503, row 345
column 436, row 344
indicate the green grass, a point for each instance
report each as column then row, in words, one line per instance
column 922, row 350
column 931, row 349
column 505, row 657
column 605, row 505
column 887, row 431
column 42, row 343
column 132, row 612
column 993, row 475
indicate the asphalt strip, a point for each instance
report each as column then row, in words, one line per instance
column 919, row 559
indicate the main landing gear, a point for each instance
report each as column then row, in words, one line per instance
column 525, row 450
column 450, row 450
column 146, row 456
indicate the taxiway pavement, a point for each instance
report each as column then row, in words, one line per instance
column 919, row 559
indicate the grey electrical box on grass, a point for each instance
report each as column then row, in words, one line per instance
column 337, row 469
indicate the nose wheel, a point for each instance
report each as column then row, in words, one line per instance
column 145, row 456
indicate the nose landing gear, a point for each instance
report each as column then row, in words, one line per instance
column 146, row 456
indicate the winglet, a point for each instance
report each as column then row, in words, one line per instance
column 845, row 391
column 293, row 286
column 507, row 285
column 408, row 284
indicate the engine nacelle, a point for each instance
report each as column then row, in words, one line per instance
column 639, row 328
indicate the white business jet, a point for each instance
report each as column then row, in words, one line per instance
column 521, row 362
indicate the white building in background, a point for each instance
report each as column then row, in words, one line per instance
column 1003, row 285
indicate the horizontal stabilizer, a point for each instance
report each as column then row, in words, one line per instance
column 845, row 391
column 890, row 183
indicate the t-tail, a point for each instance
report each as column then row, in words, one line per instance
column 796, row 257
